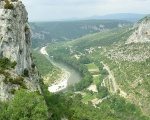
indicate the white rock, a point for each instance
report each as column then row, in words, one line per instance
column 15, row 45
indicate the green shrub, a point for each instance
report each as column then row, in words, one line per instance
column 26, row 72
column 13, row 64
column 10, row 80
column 9, row 29
column 38, row 92
column 102, row 91
column 4, row 63
column 5, row 80
column 33, row 65
column 18, row 80
column 14, row 0
column 8, row 5
column 20, row 51
column 6, row 74
column 12, row 91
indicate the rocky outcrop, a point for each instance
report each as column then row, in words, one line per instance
column 15, row 45
column 137, row 46
column 142, row 32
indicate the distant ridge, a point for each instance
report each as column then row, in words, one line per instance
column 131, row 17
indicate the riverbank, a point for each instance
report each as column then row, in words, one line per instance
column 62, row 83
column 43, row 51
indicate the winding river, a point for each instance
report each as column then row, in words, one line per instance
column 74, row 75
column 70, row 76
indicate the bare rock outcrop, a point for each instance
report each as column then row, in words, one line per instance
column 142, row 32
column 15, row 45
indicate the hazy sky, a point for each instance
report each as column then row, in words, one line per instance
column 47, row 10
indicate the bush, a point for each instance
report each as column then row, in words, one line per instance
column 14, row 0
column 33, row 65
column 102, row 91
column 5, row 80
column 12, row 91
column 6, row 74
column 5, row 63
column 8, row 5
column 85, row 60
column 26, row 72
column 13, row 64
column 18, row 80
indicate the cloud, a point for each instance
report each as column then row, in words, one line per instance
column 61, row 9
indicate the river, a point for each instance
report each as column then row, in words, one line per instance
column 73, row 77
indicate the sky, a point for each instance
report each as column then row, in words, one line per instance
column 49, row 10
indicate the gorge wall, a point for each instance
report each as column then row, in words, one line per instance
column 15, row 45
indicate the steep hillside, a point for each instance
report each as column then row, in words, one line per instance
column 132, row 61
column 46, row 32
column 47, row 70
column 123, row 65
column 17, row 69
column 142, row 32
column 40, row 36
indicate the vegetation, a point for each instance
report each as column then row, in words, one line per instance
column 45, row 68
column 26, row 72
column 101, row 47
column 14, row 0
column 103, row 91
column 8, row 5
column 25, row 105
column 5, row 66
column 93, row 51
column 70, row 30
column 101, row 40
column 70, row 106
column 79, row 28
column 44, row 65
column 85, row 60
column 5, row 63
column 64, row 55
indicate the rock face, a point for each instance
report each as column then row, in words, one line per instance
column 142, row 32
column 15, row 45
column 137, row 46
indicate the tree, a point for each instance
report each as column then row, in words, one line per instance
column 27, row 105
column 85, row 60
column 103, row 91
column 3, row 109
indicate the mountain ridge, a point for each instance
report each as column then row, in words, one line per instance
column 43, row 33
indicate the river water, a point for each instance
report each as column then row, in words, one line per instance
column 74, row 75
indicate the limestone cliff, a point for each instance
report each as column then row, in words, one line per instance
column 15, row 45
column 142, row 32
